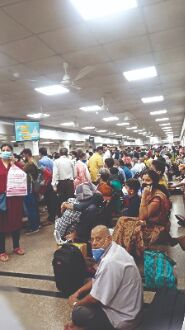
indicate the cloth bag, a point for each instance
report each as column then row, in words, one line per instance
column 16, row 182
column 158, row 270
column 3, row 206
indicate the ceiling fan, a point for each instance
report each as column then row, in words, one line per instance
column 103, row 105
column 68, row 81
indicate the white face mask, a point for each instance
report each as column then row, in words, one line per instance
column 6, row 154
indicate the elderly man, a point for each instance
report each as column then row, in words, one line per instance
column 113, row 298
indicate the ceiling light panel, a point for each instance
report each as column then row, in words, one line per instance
column 68, row 124
column 93, row 9
column 110, row 118
column 158, row 112
column 132, row 128
column 153, row 99
column 101, row 131
column 52, row 90
column 38, row 115
column 161, row 119
column 88, row 127
column 122, row 124
column 91, row 108
column 166, row 124
column 141, row 74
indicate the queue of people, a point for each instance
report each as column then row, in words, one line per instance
column 85, row 191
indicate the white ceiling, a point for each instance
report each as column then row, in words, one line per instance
column 37, row 36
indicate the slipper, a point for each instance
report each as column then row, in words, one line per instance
column 4, row 257
column 19, row 251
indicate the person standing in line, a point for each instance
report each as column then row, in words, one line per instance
column 107, row 153
column 82, row 172
column 50, row 195
column 95, row 163
column 63, row 177
column 30, row 201
column 44, row 160
column 11, row 219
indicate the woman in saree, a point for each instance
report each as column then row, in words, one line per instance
column 153, row 224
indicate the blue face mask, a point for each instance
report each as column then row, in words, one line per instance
column 97, row 253
column 6, row 154
column 84, row 161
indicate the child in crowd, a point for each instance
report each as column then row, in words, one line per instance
column 132, row 186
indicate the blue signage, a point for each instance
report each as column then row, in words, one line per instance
column 27, row 131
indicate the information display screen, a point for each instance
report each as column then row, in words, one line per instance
column 27, row 131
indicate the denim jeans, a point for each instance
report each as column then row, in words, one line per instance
column 32, row 210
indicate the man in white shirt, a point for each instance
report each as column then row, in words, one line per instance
column 106, row 152
column 113, row 298
column 63, row 176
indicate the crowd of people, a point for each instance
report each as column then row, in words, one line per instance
column 84, row 191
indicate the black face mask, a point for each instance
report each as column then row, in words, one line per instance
column 144, row 185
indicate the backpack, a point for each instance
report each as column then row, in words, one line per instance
column 69, row 269
column 158, row 270
column 43, row 179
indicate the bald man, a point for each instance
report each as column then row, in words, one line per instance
column 113, row 298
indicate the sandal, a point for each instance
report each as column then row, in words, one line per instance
column 4, row 257
column 19, row 251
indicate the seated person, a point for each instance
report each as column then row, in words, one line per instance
column 113, row 298
column 116, row 185
column 89, row 203
column 133, row 202
column 138, row 234
column 104, row 186
column 159, row 167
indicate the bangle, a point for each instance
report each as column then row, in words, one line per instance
column 74, row 304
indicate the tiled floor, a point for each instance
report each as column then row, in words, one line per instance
column 38, row 312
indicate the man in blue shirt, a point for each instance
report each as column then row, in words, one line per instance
column 50, row 196
column 45, row 161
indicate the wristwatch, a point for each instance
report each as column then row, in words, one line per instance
column 75, row 303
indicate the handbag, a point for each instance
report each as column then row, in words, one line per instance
column 158, row 270
column 3, row 206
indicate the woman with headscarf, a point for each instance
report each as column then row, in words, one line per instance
column 79, row 215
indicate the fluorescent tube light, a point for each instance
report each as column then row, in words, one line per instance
column 38, row 115
column 101, row 131
column 162, row 119
column 91, row 108
column 88, row 127
column 68, row 124
column 52, row 90
column 152, row 99
column 92, row 9
column 122, row 124
column 166, row 124
column 110, row 118
column 140, row 74
column 158, row 112
column 132, row 128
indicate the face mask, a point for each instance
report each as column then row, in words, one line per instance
column 144, row 185
column 6, row 154
column 97, row 253
column 84, row 161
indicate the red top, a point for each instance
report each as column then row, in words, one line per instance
column 3, row 177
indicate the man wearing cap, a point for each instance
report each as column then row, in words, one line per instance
column 113, row 298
